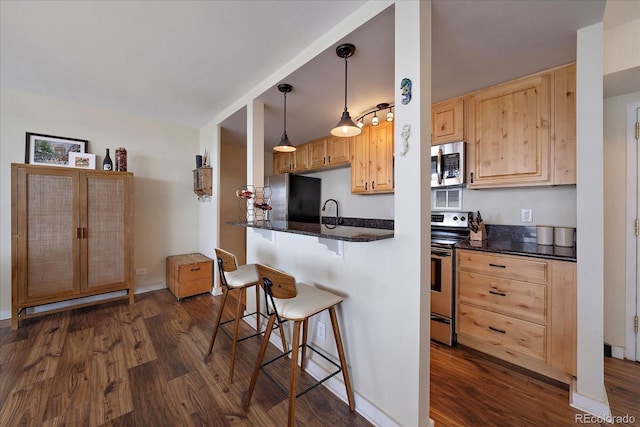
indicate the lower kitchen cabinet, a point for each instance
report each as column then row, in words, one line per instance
column 520, row 309
column 71, row 237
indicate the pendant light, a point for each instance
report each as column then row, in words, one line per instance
column 345, row 127
column 284, row 145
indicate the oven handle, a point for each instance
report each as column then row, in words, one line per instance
column 440, row 252
column 439, row 168
column 440, row 319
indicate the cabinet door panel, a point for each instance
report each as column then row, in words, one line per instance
column 338, row 150
column 381, row 158
column 50, row 245
column 360, row 162
column 106, row 263
column 447, row 121
column 301, row 158
column 511, row 133
column 317, row 154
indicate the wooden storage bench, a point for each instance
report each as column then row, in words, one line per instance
column 189, row 274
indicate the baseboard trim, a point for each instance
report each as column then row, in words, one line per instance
column 4, row 315
column 365, row 408
column 587, row 404
column 142, row 289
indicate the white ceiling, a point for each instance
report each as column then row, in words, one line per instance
column 185, row 61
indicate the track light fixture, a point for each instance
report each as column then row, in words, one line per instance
column 345, row 127
column 375, row 121
column 284, row 145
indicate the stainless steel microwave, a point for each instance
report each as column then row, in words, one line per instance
column 447, row 164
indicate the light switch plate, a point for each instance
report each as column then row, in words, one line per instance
column 526, row 215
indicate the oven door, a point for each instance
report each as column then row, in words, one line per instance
column 442, row 329
column 442, row 281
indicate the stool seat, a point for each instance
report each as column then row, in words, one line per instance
column 245, row 276
column 308, row 302
column 287, row 300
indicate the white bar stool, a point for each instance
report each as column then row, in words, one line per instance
column 239, row 279
column 288, row 300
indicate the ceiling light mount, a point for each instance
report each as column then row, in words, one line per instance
column 375, row 120
column 345, row 127
column 285, row 145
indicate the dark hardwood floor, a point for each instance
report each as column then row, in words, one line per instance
column 144, row 365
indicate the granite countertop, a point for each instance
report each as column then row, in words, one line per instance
column 508, row 247
column 326, row 231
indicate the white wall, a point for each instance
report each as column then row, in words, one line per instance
column 615, row 226
column 161, row 156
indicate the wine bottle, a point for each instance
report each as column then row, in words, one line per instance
column 107, row 164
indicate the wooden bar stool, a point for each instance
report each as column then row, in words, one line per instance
column 288, row 300
column 237, row 278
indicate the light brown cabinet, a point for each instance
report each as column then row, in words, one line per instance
column 372, row 160
column 447, row 121
column 189, row 274
column 282, row 163
column 301, row 159
column 510, row 133
column 522, row 133
column 329, row 152
column 519, row 309
column 563, row 126
column 71, row 236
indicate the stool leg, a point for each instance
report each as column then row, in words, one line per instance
column 219, row 318
column 293, row 378
column 258, row 316
column 283, row 338
column 343, row 360
column 259, row 359
column 305, row 328
column 236, row 327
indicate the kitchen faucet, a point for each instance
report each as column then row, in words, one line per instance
column 338, row 219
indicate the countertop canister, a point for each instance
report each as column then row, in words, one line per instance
column 563, row 236
column 544, row 235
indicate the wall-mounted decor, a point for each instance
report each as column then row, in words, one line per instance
column 52, row 150
column 82, row 160
column 405, row 87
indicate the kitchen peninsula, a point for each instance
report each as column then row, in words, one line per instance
column 325, row 231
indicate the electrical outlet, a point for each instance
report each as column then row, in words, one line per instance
column 321, row 331
column 526, row 215
column 141, row 271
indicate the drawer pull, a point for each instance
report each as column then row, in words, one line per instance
column 497, row 330
column 497, row 265
column 496, row 292
column 195, row 269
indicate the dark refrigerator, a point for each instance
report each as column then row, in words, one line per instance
column 294, row 198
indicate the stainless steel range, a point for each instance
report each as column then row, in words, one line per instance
column 447, row 229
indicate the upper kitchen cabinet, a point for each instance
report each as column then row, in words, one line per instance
column 522, row 133
column 329, row 152
column 564, row 125
column 282, row 163
column 372, row 160
column 301, row 158
column 510, row 133
column 447, row 121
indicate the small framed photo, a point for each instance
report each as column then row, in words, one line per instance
column 52, row 150
column 82, row 160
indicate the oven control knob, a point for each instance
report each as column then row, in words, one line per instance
column 462, row 218
column 455, row 218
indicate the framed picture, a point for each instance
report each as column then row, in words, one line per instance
column 52, row 150
column 82, row 160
